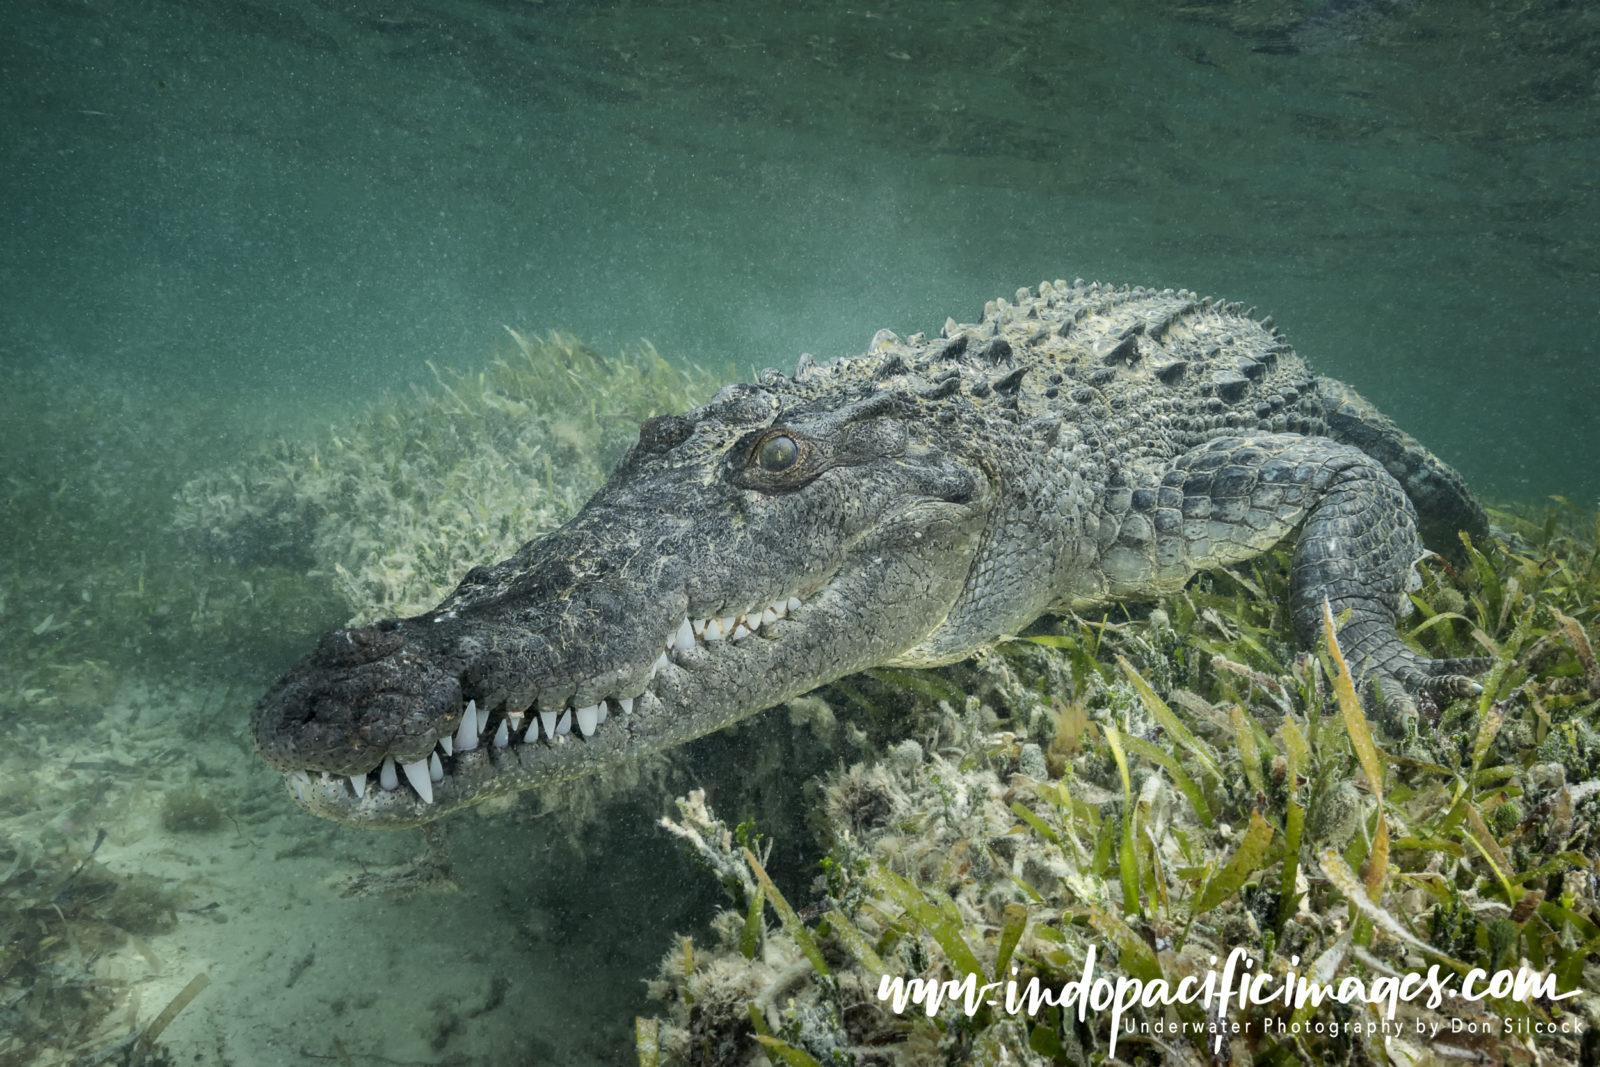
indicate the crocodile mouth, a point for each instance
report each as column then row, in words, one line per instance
column 500, row 749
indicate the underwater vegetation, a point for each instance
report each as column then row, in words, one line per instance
column 1162, row 786
column 92, row 583
column 189, row 811
column 1158, row 784
column 130, row 569
column 144, row 532
column 393, row 508
column 62, row 916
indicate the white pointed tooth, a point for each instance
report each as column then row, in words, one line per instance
column 417, row 775
column 564, row 726
column 768, row 617
column 386, row 776
column 661, row 661
column 466, row 738
column 588, row 719
column 514, row 718
column 741, row 631
column 605, row 710
column 793, row 603
column 714, row 631
column 502, row 735
column 358, row 782
column 549, row 720
column 435, row 767
column 627, row 705
column 728, row 623
column 699, row 627
column 779, row 607
column 683, row 640
column 447, row 746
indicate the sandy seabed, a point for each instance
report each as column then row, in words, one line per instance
column 489, row 940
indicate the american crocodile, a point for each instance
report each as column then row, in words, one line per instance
column 1082, row 444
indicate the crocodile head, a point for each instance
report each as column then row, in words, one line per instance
column 740, row 555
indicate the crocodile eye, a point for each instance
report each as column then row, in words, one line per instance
column 777, row 453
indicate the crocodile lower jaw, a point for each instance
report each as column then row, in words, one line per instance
column 495, row 751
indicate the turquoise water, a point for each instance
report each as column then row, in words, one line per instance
column 267, row 214
column 260, row 202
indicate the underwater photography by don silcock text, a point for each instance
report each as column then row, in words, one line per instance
column 710, row 534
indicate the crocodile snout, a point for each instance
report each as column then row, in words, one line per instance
column 362, row 695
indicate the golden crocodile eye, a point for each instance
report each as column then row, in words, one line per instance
column 778, row 453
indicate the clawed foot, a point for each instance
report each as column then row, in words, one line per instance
column 1448, row 678
column 1408, row 679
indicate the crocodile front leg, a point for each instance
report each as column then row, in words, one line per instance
column 1234, row 498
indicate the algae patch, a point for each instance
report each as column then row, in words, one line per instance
column 189, row 811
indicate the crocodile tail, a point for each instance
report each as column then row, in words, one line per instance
column 1444, row 505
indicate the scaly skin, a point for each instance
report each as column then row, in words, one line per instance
column 1080, row 445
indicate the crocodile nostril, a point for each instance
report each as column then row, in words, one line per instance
column 352, row 648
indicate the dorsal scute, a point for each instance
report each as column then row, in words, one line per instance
column 1079, row 335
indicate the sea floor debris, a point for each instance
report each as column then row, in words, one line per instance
column 71, row 929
